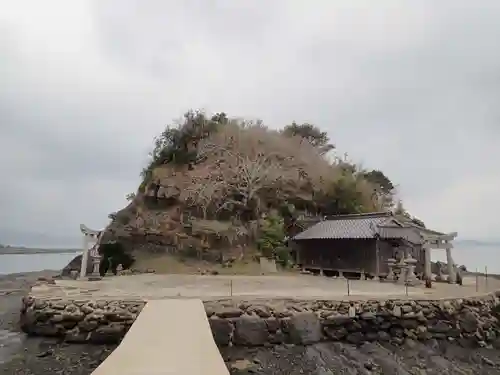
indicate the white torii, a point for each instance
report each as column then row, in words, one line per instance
column 89, row 235
column 439, row 241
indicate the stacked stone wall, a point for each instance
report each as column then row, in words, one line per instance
column 266, row 323
column 99, row 322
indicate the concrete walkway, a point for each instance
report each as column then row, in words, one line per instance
column 170, row 337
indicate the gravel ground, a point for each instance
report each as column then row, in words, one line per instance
column 20, row 355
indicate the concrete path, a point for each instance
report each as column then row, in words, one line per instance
column 170, row 337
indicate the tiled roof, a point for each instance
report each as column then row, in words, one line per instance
column 360, row 226
column 345, row 226
column 409, row 234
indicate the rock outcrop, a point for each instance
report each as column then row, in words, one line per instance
column 211, row 180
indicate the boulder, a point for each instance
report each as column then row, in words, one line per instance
column 250, row 331
column 222, row 330
column 305, row 328
column 468, row 321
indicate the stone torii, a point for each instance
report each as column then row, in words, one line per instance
column 89, row 235
column 439, row 241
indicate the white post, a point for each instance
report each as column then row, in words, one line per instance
column 85, row 257
column 88, row 234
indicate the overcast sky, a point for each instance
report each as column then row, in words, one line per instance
column 408, row 87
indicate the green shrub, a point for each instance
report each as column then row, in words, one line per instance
column 271, row 242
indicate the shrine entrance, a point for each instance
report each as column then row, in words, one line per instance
column 435, row 241
column 90, row 255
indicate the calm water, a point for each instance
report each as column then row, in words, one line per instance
column 33, row 262
column 474, row 257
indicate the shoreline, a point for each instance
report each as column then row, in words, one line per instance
column 22, row 355
column 14, row 251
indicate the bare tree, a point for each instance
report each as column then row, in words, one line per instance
column 207, row 148
column 204, row 194
column 246, row 175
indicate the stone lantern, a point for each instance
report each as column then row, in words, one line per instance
column 411, row 278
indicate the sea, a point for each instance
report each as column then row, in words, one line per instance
column 19, row 263
column 477, row 256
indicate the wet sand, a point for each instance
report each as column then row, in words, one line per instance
column 20, row 355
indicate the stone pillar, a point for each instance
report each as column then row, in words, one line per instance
column 85, row 257
column 452, row 276
column 427, row 265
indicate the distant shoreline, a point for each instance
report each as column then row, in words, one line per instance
column 15, row 251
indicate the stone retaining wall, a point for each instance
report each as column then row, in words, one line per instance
column 99, row 322
column 264, row 323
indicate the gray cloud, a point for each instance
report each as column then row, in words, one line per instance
column 410, row 88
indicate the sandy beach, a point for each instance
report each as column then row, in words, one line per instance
column 21, row 355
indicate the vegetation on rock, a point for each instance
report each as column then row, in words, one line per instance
column 212, row 179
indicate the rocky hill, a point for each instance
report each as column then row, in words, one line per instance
column 214, row 184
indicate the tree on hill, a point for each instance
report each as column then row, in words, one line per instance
column 177, row 144
column 312, row 134
column 379, row 179
column 384, row 189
